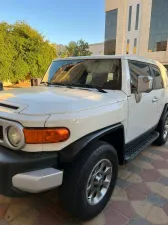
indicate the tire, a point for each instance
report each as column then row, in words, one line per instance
column 73, row 193
column 163, row 134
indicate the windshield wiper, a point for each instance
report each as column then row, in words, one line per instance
column 76, row 85
column 61, row 84
column 89, row 86
column 56, row 83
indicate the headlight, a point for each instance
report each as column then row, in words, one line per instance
column 14, row 136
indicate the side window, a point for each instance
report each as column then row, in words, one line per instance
column 158, row 82
column 138, row 69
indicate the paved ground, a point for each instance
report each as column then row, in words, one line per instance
column 140, row 198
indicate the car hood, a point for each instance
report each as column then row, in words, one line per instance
column 55, row 100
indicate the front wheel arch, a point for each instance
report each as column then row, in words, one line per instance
column 163, row 113
column 113, row 135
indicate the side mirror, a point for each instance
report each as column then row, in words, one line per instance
column 145, row 84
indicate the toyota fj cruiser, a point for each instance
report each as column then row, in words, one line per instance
column 88, row 115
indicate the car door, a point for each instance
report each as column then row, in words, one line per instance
column 158, row 88
column 142, row 108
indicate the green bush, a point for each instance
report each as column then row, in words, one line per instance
column 24, row 53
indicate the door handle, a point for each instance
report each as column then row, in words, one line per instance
column 155, row 99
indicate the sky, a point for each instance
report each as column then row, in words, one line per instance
column 60, row 21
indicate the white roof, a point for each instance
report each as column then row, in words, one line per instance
column 131, row 57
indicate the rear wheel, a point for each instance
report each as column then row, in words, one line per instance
column 88, row 185
column 163, row 130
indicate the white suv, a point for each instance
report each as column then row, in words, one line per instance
column 88, row 115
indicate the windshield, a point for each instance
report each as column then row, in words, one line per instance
column 104, row 73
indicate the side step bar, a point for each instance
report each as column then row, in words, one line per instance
column 132, row 150
column 38, row 181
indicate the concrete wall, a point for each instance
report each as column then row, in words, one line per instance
column 132, row 34
column 113, row 4
column 97, row 48
column 121, row 24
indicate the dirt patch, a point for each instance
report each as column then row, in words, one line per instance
column 20, row 85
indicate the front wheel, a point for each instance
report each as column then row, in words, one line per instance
column 89, row 184
column 163, row 130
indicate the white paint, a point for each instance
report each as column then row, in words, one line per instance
column 57, row 100
column 142, row 115
column 85, row 111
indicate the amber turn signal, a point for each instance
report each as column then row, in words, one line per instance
column 45, row 135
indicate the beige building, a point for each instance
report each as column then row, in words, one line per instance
column 97, row 48
column 137, row 27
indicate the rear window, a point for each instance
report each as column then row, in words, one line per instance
column 158, row 82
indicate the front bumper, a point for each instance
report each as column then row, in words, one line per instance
column 26, row 171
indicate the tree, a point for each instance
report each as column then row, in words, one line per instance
column 7, row 50
column 60, row 50
column 79, row 48
column 24, row 52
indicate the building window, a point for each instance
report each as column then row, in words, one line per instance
column 110, row 32
column 137, row 17
column 159, row 26
column 135, row 46
column 129, row 18
column 128, row 46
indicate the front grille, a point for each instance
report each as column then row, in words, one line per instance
column 1, row 132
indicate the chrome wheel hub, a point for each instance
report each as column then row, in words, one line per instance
column 166, row 129
column 99, row 181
